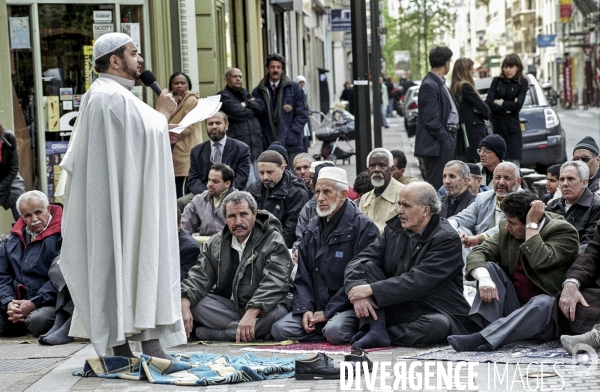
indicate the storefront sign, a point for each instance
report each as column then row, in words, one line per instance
column 546, row 40
column 66, row 94
column 55, row 151
column 19, row 33
column 341, row 19
column 103, row 16
column 565, row 11
column 102, row 28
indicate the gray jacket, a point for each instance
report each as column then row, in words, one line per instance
column 476, row 218
column 263, row 277
column 200, row 216
column 306, row 214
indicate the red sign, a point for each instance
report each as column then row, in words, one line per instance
column 567, row 81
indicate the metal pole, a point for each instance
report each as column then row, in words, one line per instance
column 375, row 72
column 360, row 74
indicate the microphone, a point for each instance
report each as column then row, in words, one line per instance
column 149, row 80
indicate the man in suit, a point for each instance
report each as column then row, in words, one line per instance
column 286, row 108
column 438, row 119
column 219, row 149
column 519, row 271
column 456, row 181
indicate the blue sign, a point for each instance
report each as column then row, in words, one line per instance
column 341, row 19
column 559, row 60
column 546, row 40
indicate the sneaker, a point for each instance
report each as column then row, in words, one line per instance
column 319, row 367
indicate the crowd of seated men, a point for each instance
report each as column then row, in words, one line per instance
column 301, row 255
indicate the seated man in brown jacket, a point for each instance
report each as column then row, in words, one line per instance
column 577, row 306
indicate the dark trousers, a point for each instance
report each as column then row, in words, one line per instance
column 434, row 166
column 409, row 323
column 38, row 322
column 507, row 320
column 180, row 185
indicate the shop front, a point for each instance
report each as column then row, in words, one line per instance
column 51, row 67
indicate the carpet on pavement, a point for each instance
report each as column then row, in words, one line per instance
column 311, row 348
column 518, row 352
column 192, row 369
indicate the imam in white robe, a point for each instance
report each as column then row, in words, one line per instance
column 120, row 254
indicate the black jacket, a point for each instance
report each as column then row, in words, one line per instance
column 9, row 168
column 284, row 123
column 433, row 275
column 285, row 202
column 583, row 215
column 189, row 249
column 469, row 101
column 466, row 199
column 319, row 283
column 235, row 154
column 434, row 109
column 505, row 117
column 243, row 121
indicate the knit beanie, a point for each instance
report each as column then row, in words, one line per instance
column 495, row 143
column 589, row 144
column 276, row 146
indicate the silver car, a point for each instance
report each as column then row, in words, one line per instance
column 411, row 110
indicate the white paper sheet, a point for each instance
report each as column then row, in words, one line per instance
column 205, row 108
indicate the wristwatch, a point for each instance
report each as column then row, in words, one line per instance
column 533, row 226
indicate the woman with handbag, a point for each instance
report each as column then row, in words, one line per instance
column 11, row 183
column 505, row 98
column 473, row 111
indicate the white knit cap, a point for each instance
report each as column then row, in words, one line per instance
column 317, row 163
column 300, row 78
column 333, row 173
column 109, row 42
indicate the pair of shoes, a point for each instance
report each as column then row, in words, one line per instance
column 319, row 367
column 359, row 355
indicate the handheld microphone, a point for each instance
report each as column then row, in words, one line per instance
column 149, row 80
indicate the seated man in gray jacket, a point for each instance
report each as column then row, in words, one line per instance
column 240, row 285
column 203, row 214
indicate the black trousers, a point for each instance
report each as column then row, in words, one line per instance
column 434, row 166
column 410, row 323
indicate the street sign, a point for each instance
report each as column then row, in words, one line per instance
column 546, row 40
column 341, row 19
column 559, row 60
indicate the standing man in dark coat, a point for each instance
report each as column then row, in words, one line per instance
column 243, row 110
column 219, row 149
column 321, row 308
column 456, row 183
column 577, row 306
column 410, row 279
column 286, row 109
column 438, row 120
column 280, row 192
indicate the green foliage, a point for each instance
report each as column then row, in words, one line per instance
column 418, row 28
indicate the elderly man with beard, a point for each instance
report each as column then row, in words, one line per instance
column 280, row 192
column 458, row 196
column 27, row 296
column 408, row 283
column 519, row 271
column 479, row 221
column 321, row 308
column 578, row 205
column 240, row 285
column 381, row 204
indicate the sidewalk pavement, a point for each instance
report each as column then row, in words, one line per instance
column 27, row 366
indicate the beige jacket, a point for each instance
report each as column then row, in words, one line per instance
column 190, row 136
column 381, row 209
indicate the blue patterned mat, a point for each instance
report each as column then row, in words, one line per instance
column 190, row 369
column 519, row 352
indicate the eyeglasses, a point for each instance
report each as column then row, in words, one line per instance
column 483, row 151
column 583, row 159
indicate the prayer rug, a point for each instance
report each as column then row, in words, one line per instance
column 518, row 352
column 311, row 348
column 244, row 344
column 195, row 369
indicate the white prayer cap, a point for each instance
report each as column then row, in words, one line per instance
column 336, row 174
column 317, row 163
column 300, row 78
column 109, row 42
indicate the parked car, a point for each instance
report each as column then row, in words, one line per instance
column 544, row 142
column 411, row 110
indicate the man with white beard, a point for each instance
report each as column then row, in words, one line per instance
column 321, row 308
column 381, row 204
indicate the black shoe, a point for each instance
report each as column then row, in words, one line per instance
column 319, row 367
column 359, row 355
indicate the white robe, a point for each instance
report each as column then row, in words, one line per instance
column 120, row 253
